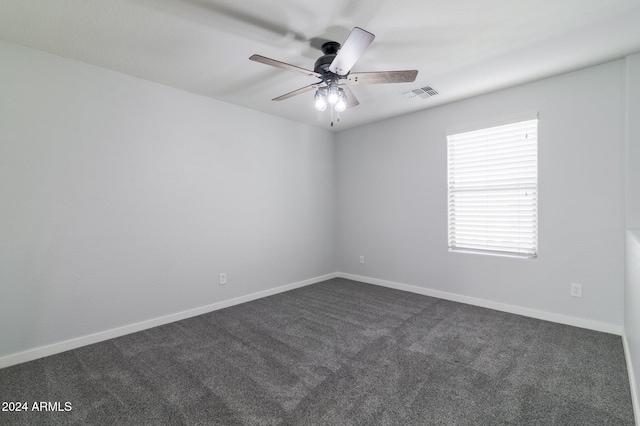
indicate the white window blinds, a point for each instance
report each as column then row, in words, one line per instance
column 493, row 189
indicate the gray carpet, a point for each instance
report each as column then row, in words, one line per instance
column 335, row 353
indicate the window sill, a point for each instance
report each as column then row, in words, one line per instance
column 495, row 254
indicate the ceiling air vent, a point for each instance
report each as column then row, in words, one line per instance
column 423, row 92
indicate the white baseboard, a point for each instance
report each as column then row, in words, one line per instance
column 55, row 348
column 77, row 342
column 635, row 397
column 503, row 307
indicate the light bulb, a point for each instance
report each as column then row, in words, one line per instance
column 321, row 104
column 320, row 101
column 334, row 95
column 341, row 104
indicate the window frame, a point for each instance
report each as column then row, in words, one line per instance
column 510, row 237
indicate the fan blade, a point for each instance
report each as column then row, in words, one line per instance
column 351, row 98
column 283, row 65
column 297, row 92
column 382, row 77
column 351, row 50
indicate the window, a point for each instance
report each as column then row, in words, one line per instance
column 493, row 189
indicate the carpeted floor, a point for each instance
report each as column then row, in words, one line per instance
column 335, row 353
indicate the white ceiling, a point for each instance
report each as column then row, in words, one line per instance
column 461, row 48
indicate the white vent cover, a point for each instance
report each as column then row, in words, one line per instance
column 423, row 92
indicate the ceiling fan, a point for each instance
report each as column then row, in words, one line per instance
column 334, row 71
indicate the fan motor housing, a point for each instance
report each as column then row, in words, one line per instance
column 323, row 63
column 330, row 50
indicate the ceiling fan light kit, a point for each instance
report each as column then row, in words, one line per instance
column 333, row 68
column 332, row 95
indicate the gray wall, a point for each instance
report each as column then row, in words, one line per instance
column 392, row 201
column 122, row 200
column 632, row 281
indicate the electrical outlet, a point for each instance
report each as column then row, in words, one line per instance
column 223, row 278
column 361, row 259
column 576, row 290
